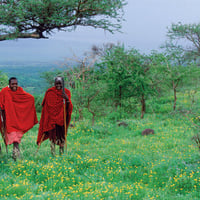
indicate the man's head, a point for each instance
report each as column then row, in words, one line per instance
column 58, row 82
column 13, row 84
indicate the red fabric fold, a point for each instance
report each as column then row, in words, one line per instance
column 20, row 113
column 53, row 112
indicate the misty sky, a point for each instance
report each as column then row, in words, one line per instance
column 145, row 29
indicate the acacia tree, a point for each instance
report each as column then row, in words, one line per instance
column 85, row 86
column 172, row 76
column 39, row 18
column 183, row 43
column 168, row 74
column 178, row 76
column 115, row 70
column 128, row 75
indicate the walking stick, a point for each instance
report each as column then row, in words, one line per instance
column 40, row 143
column 64, row 113
column 3, row 130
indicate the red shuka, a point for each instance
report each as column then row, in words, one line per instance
column 53, row 112
column 20, row 113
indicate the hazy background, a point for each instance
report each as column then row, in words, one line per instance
column 144, row 29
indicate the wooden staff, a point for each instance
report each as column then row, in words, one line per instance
column 40, row 143
column 64, row 113
column 3, row 130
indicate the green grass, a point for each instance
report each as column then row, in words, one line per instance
column 109, row 162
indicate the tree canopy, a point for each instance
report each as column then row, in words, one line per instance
column 39, row 18
column 183, row 42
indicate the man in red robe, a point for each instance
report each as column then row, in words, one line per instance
column 57, row 106
column 18, row 114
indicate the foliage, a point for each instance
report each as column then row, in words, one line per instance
column 3, row 80
column 82, row 80
column 183, row 44
column 38, row 102
column 170, row 76
column 179, row 76
column 117, row 69
column 114, row 82
column 129, row 74
column 35, row 18
column 119, row 80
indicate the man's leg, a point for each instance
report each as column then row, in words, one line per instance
column 53, row 152
column 61, row 150
column 16, row 152
column 62, row 144
column 60, row 138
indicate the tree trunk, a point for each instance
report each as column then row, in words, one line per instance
column 93, row 115
column 120, row 96
column 175, row 97
column 120, row 101
column 88, row 106
column 143, row 110
column 80, row 113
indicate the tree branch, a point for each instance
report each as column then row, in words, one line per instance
column 34, row 35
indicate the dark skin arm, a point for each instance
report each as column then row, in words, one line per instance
column 1, row 112
column 64, row 95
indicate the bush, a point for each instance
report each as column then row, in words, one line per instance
column 38, row 103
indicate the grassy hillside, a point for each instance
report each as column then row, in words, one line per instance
column 105, row 161
column 108, row 162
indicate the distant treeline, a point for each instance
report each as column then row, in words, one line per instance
column 29, row 77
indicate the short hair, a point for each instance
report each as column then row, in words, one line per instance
column 59, row 78
column 12, row 78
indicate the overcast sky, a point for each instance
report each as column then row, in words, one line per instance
column 145, row 29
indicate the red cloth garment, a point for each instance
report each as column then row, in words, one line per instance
column 20, row 114
column 13, row 137
column 57, row 135
column 53, row 112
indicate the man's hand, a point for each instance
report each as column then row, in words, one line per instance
column 64, row 95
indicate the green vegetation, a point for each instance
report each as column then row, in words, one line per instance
column 36, row 19
column 3, row 80
column 183, row 43
column 124, row 80
column 106, row 161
